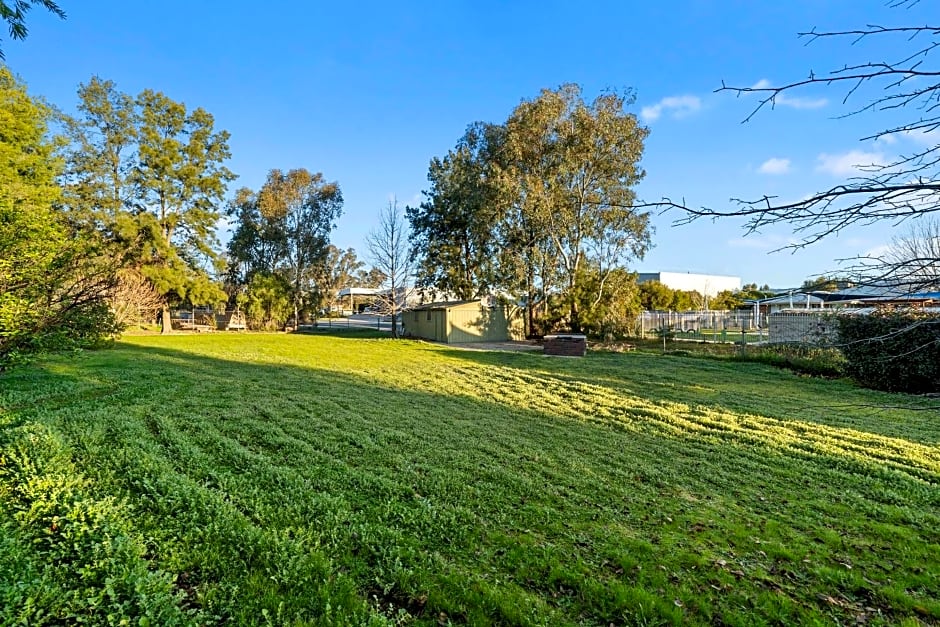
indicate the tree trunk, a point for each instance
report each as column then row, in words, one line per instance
column 575, row 317
column 166, row 325
column 530, row 296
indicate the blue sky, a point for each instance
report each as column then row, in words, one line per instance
column 368, row 93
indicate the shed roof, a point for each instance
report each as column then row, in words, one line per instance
column 796, row 298
column 447, row 304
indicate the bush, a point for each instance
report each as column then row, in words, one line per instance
column 268, row 305
column 893, row 350
column 53, row 282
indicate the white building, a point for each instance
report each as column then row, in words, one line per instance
column 705, row 284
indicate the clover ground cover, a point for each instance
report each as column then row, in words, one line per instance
column 356, row 480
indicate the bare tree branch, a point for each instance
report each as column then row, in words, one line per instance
column 903, row 188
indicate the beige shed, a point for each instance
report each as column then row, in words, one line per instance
column 462, row 321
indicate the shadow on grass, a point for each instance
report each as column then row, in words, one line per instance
column 342, row 331
column 726, row 385
column 511, row 490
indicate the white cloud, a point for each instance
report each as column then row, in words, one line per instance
column 852, row 162
column 775, row 165
column 801, row 103
column 680, row 106
column 877, row 251
column 783, row 99
column 927, row 138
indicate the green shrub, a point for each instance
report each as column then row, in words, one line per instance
column 893, row 350
column 69, row 326
column 53, row 281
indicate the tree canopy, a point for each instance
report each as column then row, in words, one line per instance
column 452, row 231
column 338, row 269
column 536, row 205
column 148, row 176
column 52, row 292
column 283, row 230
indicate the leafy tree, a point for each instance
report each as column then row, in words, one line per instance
column 750, row 291
column 98, row 188
column 13, row 12
column 306, row 207
column 258, row 242
column 146, row 176
column 825, row 284
column 340, row 268
column 613, row 315
column 452, row 230
column 179, row 182
column 726, row 300
column 654, row 296
column 575, row 165
column 372, row 278
column 388, row 248
column 283, row 229
column 268, row 301
column 52, row 291
column 735, row 299
column 683, row 300
column 536, row 205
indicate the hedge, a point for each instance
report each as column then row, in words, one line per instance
column 893, row 350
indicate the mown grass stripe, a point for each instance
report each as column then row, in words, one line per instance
column 329, row 480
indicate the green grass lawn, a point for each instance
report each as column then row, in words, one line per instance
column 354, row 480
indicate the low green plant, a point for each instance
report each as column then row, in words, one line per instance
column 893, row 350
column 804, row 359
column 350, row 480
column 71, row 556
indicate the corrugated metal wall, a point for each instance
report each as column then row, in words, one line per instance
column 465, row 323
column 473, row 323
column 430, row 324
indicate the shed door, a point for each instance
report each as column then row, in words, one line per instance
column 440, row 332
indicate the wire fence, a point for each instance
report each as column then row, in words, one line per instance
column 816, row 328
column 742, row 327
